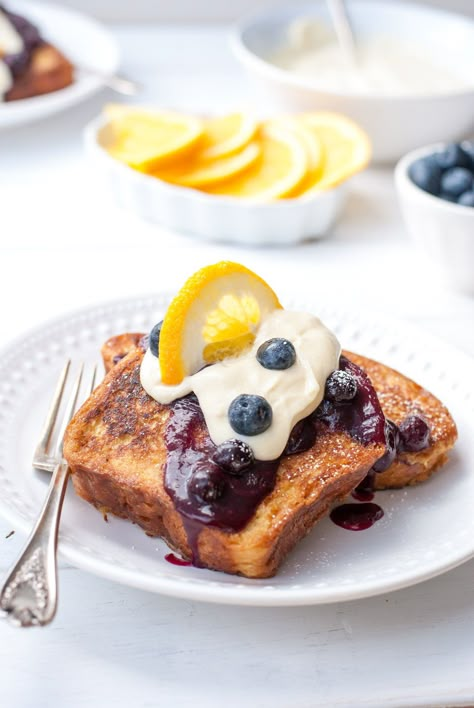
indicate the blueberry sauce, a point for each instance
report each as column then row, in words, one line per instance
column 356, row 517
column 392, row 440
column 205, row 494
column 30, row 35
column 302, row 437
column 176, row 560
column 190, row 459
column 361, row 417
column 364, row 492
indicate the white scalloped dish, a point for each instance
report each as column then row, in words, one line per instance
column 207, row 216
column 425, row 530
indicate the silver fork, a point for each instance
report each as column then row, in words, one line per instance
column 29, row 595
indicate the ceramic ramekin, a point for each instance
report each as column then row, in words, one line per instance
column 211, row 217
column 443, row 231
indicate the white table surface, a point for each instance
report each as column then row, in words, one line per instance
column 62, row 246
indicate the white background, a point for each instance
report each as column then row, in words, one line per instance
column 203, row 10
column 63, row 245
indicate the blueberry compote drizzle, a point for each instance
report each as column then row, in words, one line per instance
column 364, row 492
column 203, row 493
column 176, row 560
column 31, row 40
column 362, row 417
column 356, row 517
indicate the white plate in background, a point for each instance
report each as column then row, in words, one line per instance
column 426, row 530
column 85, row 42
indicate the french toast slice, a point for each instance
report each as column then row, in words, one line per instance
column 116, row 450
column 401, row 397
column 48, row 70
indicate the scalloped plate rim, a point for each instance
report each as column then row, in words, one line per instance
column 238, row 592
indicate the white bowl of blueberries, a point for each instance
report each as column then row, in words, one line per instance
column 435, row 186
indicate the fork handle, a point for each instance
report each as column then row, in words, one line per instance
column 29, row 595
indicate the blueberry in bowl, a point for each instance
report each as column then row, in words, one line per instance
column 447, row 172
column 435, row 186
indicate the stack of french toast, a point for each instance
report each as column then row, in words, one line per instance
column 119, row 455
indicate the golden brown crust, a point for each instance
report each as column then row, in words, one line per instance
column 115, row 348
column 116, row 451
column 48, row 71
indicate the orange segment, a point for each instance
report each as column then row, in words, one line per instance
column 196, row 172
column 145, row 140
column 226, row 135
column 313, row 149
column 281, row 167
column 346, row 149
column 215, row 315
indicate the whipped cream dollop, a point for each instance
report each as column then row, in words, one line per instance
column 11, row 42
column 384, row 64
column 292, row 393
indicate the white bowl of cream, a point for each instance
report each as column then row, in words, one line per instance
column 412, row 82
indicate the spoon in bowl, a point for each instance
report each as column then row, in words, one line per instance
column 343, row 29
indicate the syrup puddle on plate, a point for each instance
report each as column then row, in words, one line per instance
column 356, row 517
column 176, row 560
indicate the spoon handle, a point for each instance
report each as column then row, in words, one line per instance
column 343, row 29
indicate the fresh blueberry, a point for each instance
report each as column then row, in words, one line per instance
column 457, row 180
column 453, row 155
column 340, row 386
column 414, row 434
column 234, row 456
column 276, row 353
column 250, row 414
column 154, row 338
column 426, row 174
column 208, row 485
column 467, row 198
column 392, row 441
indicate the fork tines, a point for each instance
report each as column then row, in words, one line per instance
column 49, row 449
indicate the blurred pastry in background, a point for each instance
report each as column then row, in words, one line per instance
column 29, row 65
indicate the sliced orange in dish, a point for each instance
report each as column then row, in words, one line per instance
column 313, row 148
column 144, row 140
column 346, row 149
column 226, row 135
column 282, row 166
column 215, row 315
column 196, row 172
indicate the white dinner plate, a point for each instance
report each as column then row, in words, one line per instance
column 425, row 530
column 89, row 46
